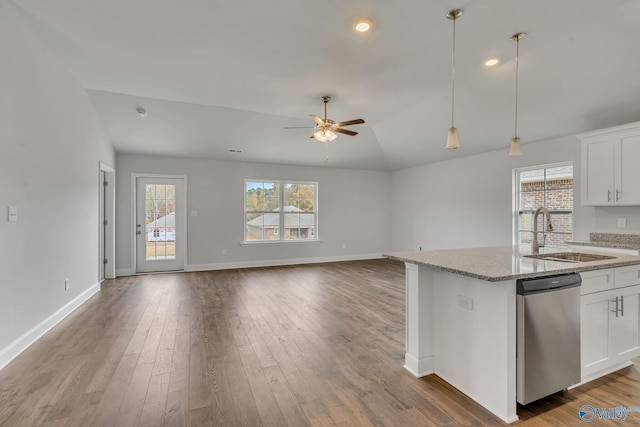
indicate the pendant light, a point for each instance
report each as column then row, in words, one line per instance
column 453, row 142
column 515, row 149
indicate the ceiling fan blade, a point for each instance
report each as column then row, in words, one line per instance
column 317, row 119
column 349, row 123
column 345, row 131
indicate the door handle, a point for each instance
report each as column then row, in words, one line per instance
column 622, row 305
column 617, row 195
column 617, row 300
column 608, row 195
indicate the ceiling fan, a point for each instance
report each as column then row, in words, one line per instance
column 327, row 128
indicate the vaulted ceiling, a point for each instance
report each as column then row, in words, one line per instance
column 220, row 75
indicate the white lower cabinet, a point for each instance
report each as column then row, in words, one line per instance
column 626, row 331
column 610, row 328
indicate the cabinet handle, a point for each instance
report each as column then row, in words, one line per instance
column 622, row 305
column 616, row 311
column 608, row 195
column 617, row 195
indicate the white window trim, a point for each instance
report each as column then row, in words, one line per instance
column 515, row 194
column 281, row 233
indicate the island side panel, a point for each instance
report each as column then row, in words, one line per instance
column 474, row 338
column 419, row 356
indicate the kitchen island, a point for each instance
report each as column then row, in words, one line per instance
column 461, row 316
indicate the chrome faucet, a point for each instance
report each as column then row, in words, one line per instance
column 535, row 246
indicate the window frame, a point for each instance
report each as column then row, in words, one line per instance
column 516, row 199
column 280, row 232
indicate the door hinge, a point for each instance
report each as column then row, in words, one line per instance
column 105, row 222
column 105, row 261
column 105, row 183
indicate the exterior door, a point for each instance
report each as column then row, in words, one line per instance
column 160, row 224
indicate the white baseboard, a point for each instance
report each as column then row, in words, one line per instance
column 419, row 368
column 585, row 379
column 11, row 351
column 278, row 262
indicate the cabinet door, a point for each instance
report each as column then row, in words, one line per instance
column 598, row 171
column 627, row 188
column 626, row 330
column 595, row 332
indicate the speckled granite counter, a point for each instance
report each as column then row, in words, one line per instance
column 611, row 240
column 495, row 264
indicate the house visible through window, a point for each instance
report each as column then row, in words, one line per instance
column 280, row 211
column 550, row 187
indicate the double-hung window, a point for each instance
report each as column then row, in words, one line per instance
column 280, row 211
column 550, row 187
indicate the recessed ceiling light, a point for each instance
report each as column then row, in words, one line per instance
column 235, row 151
column 362, row 25
column 141, row 111
column 491, row 62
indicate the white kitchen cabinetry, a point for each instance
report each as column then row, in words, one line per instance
column 610, row 320
column 610, row 174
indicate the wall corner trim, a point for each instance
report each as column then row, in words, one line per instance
column 14, row 349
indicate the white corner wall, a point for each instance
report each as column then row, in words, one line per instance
column 50, row 147
column 467, row 202
column 354, row 208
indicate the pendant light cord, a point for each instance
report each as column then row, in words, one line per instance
column 517, row 60
column 453, row 70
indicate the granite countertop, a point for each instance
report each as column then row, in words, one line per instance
column 495, row 264
column 610, row 240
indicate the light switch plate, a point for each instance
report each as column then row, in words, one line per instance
column 622, row 222
column 13, row 214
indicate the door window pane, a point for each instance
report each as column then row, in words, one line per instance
column 160, row 222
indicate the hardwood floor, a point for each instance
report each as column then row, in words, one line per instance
column 303, row 345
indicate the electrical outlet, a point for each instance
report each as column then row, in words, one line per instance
column 465, row 302
column 224, row 252
column 622, row 222
column 66, row 284
column 13, row 214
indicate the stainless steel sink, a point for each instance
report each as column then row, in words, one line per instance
column 570, row 257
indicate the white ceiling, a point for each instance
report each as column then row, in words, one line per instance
column 216, row 75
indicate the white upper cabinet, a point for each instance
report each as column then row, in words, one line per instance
column 610, row 172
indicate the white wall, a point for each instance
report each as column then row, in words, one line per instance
column 467, row 202
column 354, row 208
column 50, row 147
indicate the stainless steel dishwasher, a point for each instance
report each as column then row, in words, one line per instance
column 548, row 335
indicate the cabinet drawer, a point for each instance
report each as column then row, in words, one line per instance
column 596, row 281
column 627, row 276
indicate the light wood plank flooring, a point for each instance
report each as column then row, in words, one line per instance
column 284, row 346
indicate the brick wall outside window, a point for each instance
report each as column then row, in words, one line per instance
column 558, row 198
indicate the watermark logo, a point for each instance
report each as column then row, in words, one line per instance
column 620, row 413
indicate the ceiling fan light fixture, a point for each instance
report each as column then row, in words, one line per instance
column 362, row 25
column 325, row 135
column 453, row 142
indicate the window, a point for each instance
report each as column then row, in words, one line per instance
column 277, row 211
column 549, row 186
